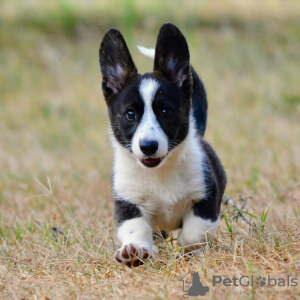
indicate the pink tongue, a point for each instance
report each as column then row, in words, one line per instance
column 150, row 160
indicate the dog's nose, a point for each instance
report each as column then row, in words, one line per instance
column 148, row 147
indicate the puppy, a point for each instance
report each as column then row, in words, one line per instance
column 165, row 176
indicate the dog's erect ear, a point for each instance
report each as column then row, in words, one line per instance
column 172, row 57
column 116, row 64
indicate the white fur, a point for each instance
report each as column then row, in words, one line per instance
column 164, row 195
column 136, row 231
column 149, row 127
column 196, row 230
column 150, row 52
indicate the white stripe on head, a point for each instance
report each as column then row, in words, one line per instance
column 148, row 89
column 149, row 128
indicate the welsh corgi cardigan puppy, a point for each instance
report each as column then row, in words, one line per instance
column 165, row 176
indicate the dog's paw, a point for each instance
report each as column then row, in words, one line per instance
column 132, row 255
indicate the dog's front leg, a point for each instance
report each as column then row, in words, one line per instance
column 134, row 232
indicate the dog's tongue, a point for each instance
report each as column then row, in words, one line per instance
column 150, row 160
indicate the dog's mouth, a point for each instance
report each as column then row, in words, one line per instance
column 151, row 162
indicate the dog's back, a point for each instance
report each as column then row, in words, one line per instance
column 199, row 103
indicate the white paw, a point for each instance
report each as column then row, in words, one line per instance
column 132, row 255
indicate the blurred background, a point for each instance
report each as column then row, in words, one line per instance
column 55, row 155
column 53, row 118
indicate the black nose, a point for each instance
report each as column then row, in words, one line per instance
column 148, row 147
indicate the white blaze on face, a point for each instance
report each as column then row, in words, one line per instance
column 149, row 128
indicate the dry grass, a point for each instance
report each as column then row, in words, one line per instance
column 55, row 157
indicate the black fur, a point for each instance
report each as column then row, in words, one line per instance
column 172, row 59
column 215, row 182
column 217, row 176
column 124, row 210
column 199, row 103
column 117, row 66
column 176, row 126
column 172, row 62
column 128, row 98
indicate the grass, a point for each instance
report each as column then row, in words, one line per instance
column 57, row 234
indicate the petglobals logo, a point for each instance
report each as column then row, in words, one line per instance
column 254, row 281
column 192, row 285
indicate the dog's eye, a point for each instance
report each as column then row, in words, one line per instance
column 166, row 112
column 130, row 115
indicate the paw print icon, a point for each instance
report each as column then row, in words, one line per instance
column 261, row 281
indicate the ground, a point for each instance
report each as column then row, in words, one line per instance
column 57, row 234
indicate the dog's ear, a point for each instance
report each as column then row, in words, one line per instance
column 116, row 64
column 172, row 58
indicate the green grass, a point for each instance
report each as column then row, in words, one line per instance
column 56, row 159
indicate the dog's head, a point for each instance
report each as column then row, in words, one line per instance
column 149, row 113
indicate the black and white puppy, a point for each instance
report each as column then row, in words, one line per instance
column 165, row 175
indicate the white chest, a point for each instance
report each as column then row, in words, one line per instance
column 164, row 194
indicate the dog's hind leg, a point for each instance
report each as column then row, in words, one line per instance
column 201, row 222
column 197, row 229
